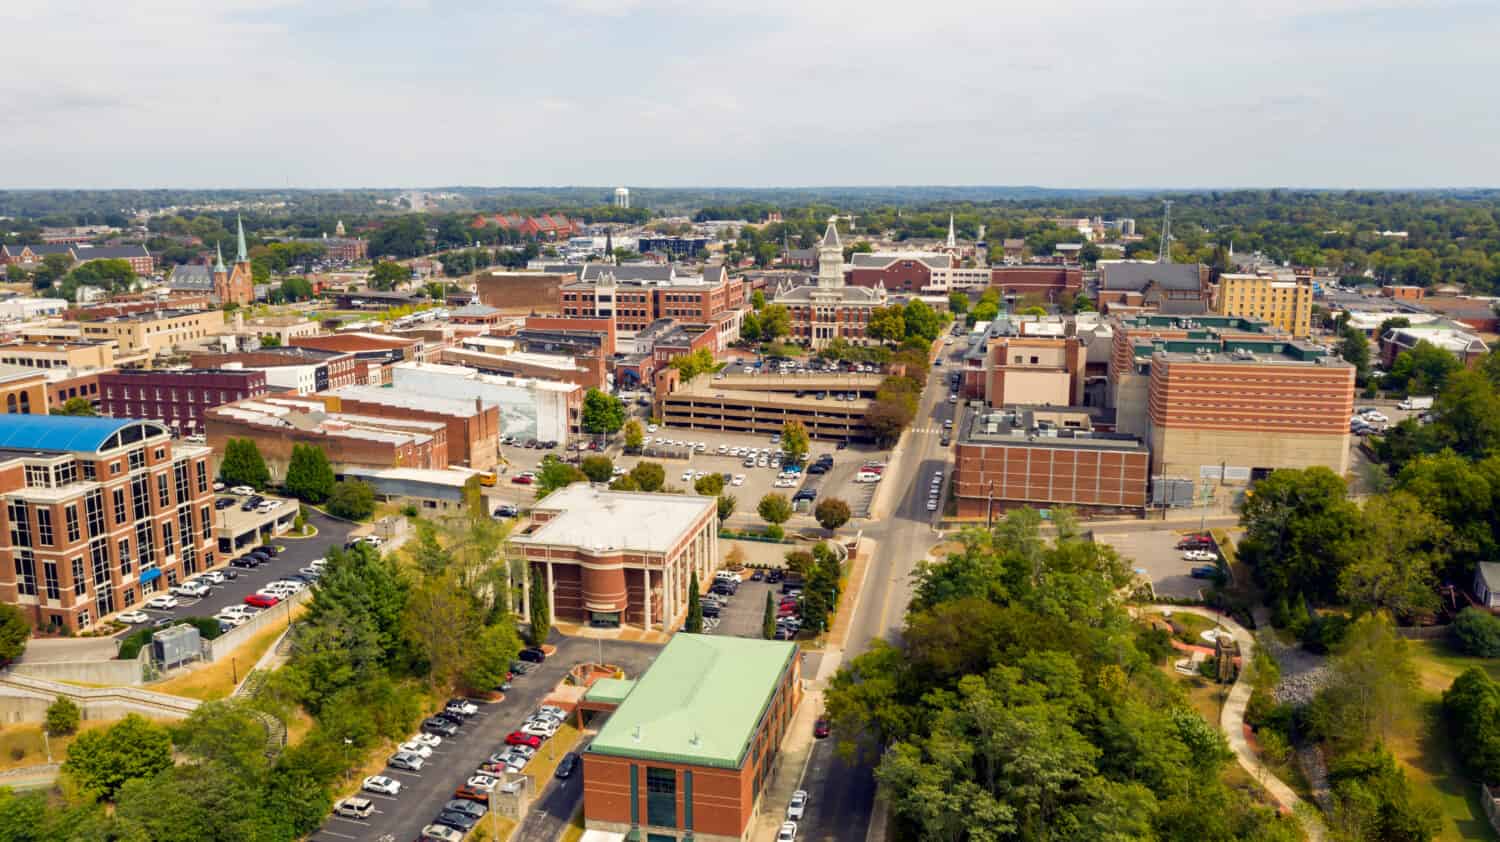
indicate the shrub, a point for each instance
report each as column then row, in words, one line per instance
column 775, row 532
column 1477, row 633
column 1325, row 633
column 352, row 499
column 62, row 717
column 1154, row 643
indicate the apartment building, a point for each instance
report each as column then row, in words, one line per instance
column 690, row 746
column 153, row 332
column 1282, row 300
column 176, row 398
column 634, row 296
column 300, row 370
column 99, row 513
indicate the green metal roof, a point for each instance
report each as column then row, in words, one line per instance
column 699, row 703
column 609, row 690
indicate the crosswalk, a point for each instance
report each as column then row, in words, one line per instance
column 930, row 430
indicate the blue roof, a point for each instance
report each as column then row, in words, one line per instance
column 58, row 432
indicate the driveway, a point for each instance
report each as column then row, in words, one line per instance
column 1153, row 554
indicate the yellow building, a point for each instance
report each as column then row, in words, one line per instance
column 156, row 331
column 1283, row 300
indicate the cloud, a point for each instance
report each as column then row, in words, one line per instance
column 663, row 92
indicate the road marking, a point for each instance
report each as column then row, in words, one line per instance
column 339, row 835
column 405, row 773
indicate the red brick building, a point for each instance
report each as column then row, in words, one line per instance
column 176, row 398
column 681, row 340
column 99, row 513
column 473, row 435
column 1050, row 282
column 550, row 227
column 277, row 424
column 634, row 296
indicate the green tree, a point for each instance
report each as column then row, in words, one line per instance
column 541, row 612
column 1300, row 528
column 775, row 322
column 831, row 513
column 441, row 619
column 635, row 435
column 1477, row 633
column 102, row 760
column 1399, row 546
column 984, row 311
column 768, row 620
column 387, row 274
column 887, row 418
column 490, row 657
column 296, row 289
column 695, row 606
column 598, row 468
column 709, row 485
column 692, row 364
column 758, row 300
column 921, row 320
column 750, row 327
column 352, row 499
column 795, row 441
column 15, row 630
column 1468, row 415
column 726, row 504
column 958, row 303
column 1422, row 370
column 62, row 717
column 309, row 477
column 556, row 474
column 774, row 509
column 74, row 406
column 243, row 465
column 1371, row 687
column 887, row 324
column 649, row 476
column 225, row 731
column 1355, row 350
column 602, row 413
column 1471, row 706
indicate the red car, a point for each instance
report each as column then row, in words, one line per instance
column 521, row 479
column 472, row 793
column 260, row 600
column 820, row 728
column 516, row 738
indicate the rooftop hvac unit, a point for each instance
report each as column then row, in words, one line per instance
column 176, row 645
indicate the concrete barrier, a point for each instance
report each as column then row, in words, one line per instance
column 25, row 699
column 220, row 647
column 111, row 672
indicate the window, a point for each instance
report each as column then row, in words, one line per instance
column 185, row 524
column 25, row 572
column 137, row 459
column 163, row 495
column 118, row 496
column 80, row 578
column 145, row 545
column 67, row 473
column 180, row 477
column 140, row 496
column 129, row 597
column 661, row 797
column 93, row 507
column 44, row 526
column 20, row 524
column 189, row 559
column 70, row 514
column 202, row 476
column 168, row 541
column 105, row 602
column 49, row 577
column 126, row 564
column 83, row 617
column 89, row 470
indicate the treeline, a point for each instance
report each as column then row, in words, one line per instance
column 1020, row 704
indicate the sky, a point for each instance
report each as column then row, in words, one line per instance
column 672, row 93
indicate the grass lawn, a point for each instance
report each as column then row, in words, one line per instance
column 545, row 762
column 216, row 680
column 490, row 826
column 22, row 745
column 1190, row 626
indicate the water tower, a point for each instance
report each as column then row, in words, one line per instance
column 622, row 197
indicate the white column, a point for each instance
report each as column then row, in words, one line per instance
column 526, row 591
column 646, row 589
column 551, row 594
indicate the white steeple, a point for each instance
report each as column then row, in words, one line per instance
column 952, row 236
column 830, row 258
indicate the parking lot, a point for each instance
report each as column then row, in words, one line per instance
column 424, row 793
column 1154, row 555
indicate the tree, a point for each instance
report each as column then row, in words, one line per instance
column 832, row 513
column 750, row 327
column 1422, row 370
column 602, row 413
column 387, row 274
column 296, row 289
column 758, row 300
column 692, row 364
column 887, row 324
column 556, row 474
column 1300, row 527
column 888, row 418
column 649, row 476
column 541, row 612
column 74, row 406
column 490, row 657
column 635, row 435
column 309, row 477
column 775, row 322
column 709, row 485
column 774, row 509
column 598, row 468
column 1478, row 633
column 1468, row 414
column 1399, row 546
column 795, row 441
column 695, row 606
column 352, row 499
column 1371, row 687
column 224, row 731
column 1355, row 350
column 102, row 760
column 726, row 505
column 768, row 620
column 243, row 465
column 958, row 303
column 921, row 320
column 440, row 620
column 62, row 717
column 15, row 630
column 984, row 311
column 1471, row 705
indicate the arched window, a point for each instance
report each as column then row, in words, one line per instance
column 10, row 403
column 25, row 403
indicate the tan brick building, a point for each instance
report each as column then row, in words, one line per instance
column 1282, row 300
column 522, row 292
column 473, row 434
column 155, row 331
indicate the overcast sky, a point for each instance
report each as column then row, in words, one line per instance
column 1061, row 93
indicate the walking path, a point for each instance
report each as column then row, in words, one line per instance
column 1232, row 723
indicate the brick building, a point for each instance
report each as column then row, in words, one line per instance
column 176, row 398
column 688, row 751
column 82, row 384
column 299, row 370
column 522, row 292
column 24, row 390
column 681, row 340
column 155, row 331
column 611, row 558
column 1139, row 285
column 587, row 371
column 579, row 326
column 1049, row 282
column 1019, row 370
column 1043, row 458
column 99, row 513
column 277, row 424
column 1280, row 299
column 68, row 356
column 473, row 429
column 369, row 347
column 825, row 308
column 636, row 295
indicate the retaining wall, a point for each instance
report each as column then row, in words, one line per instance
column 25, row 699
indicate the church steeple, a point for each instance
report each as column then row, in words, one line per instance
column 609, row 246
column 952, row 235
column 241, row 254
column 219, row 268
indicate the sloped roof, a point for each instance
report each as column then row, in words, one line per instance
column 63, row 433
column 881, row 260
column 1134, row 275
column 195, row 276
column 111, row 252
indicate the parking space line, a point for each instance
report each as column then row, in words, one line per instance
column 339, row 835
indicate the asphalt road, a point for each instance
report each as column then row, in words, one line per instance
column 424, row 793
column 297, row 553
column 550, row 814
column 841, row 795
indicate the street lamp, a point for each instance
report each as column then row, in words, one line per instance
column 989, row 507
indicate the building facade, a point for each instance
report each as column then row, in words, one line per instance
column 155, row 331
column 276, row 425
column 473, row 429
column 99, row 513
column 1282, row 301
column 826, row 308
column 24, row 390
column 176, row 398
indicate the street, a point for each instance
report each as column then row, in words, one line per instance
column 424, row 793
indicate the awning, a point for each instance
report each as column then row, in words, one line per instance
column 150, row 575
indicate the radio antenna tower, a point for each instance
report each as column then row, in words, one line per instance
column 1164, row 250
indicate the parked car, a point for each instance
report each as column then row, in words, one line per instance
column 162, row 602
column 507, row 510
column 820, row 729
column 406, row 760
column 521, row 479
column 517, row 738
column 797, row 806
column 472, row 793
column 440, row 726
column 539, row 728
column 457, row 819
column 222, row 503
column 440, row 833
column 1205, row 572
column 246, row 561
column 422, row 751
column 787, row 833
column 567, row 766
column 262, row 600
column 532, row 654
column 382, row 785
column 354, row 807
column 191, row 589
column 242, row 491
column 430, row 740
column 466, row 707
column 132, row 617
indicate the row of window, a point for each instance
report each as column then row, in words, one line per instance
column 145, row 554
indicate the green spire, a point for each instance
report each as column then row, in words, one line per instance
column 240, row 255
column 219, row 264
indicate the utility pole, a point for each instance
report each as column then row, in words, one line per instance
column 989, row 507
column 1164, row 249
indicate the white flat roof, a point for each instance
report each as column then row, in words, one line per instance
column 446, row 370
column 597, row 520
column 396, row 396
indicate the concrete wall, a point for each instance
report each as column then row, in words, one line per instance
column 221, row 646
column 1132, row 403
column 112, row 672
column 1183, row 452
column 25, row 699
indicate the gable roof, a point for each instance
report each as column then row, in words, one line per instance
column 192, row 276
column 111, row 252
column 1134, row 275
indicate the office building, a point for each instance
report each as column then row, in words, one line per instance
column 635, row 295
column 302, row 371
column 824, row 307
column 1279, row 299
column 155, row 331
column 176, row 398
column 99, row 514
column 690, row 746
column 25, row 390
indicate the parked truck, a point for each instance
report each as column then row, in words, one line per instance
column 1415, row 403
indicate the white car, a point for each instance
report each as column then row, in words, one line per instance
column 651, row 428
column 1376, row 417
column 218, row 486
column 730, row 575
column 240, row 610
column 420, row 749
column 553, row 711
column 382, row 785
column 213, row 577
column 687, row 476
column 233, row 621
column 465, row 706
column 190, row 589
column 133, row 617
column 1199, row 555
column 318, row 563
column 242, row 491
column 797, row 806
column 484, row 782
column 429, row 740
column 543, row 728
column 162, row 602
column 932, row 504
column 788, row 832
column 441, row 832
column 739, row 479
